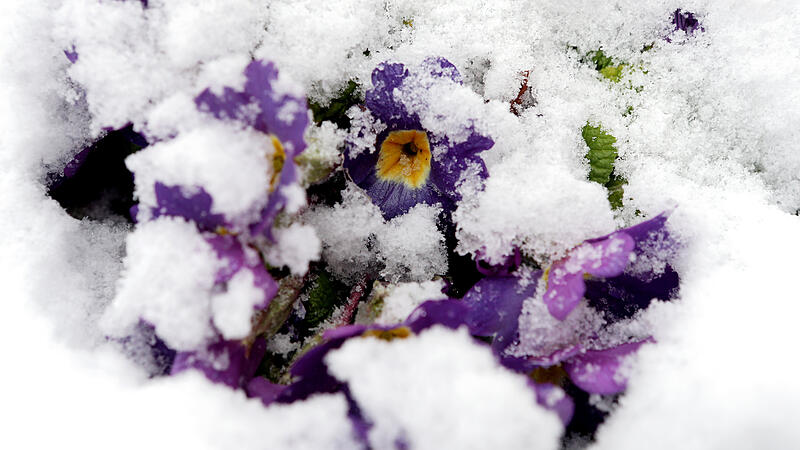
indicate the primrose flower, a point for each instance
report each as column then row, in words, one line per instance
column 630, row 262
column 226, row 362
column 410, row 164
column 313, row 377
column 495, row 307
column 274, row 108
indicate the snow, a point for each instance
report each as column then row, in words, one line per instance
column 711, row 134
column 230, row 164
column 440, row 389
column 401, row 299
column 297, row 245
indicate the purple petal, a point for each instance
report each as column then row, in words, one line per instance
column 555, row 399
column 177, row 201
column 509, row 264
column 281, row 114
column 556, row 357
column 380, row 99
column 260, row 106
column 225, row 362
column 495, row 304
column 564, row 291
column 448, row 313
column 622, row 297
column 685, row 21
column 442, row 68
column 231, row 105
column 71, row 54
column 598, row 371
column 604, row 257
column 231, row 251
column 260, row 387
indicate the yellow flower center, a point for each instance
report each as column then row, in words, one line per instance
column 278, row 159
column 405, row 157
column 401, row 332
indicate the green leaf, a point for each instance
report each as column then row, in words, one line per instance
column 616, row 189
column 600, row 60
column 324, row 295
column 602, row 155
column 613, row 73
column 336, row 110
column 605, row 65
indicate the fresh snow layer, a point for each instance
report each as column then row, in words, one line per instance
column 712, row 133
column 442, row 390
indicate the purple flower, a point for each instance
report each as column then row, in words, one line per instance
column 410, row 164
column 181, row 202
column 685, row 21
column 227, row 362
column 313, row 376
column 630, row 262
column 310, row 369
column 268, row 106
column 508, row 265
column 236, row 258
column 602, row 371
column 495, row 305
column 627, row 269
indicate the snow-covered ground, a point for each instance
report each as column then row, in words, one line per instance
column 706, row 127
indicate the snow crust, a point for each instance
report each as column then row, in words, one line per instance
column 440, row 389
column 355, row 237
column 712, row 130
column 401, row 299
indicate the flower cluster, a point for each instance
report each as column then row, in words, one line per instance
column 219, row 277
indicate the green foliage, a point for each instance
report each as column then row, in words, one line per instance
column 336, row 110
column 602, row 155
column 616, row 189
column 600, row 60
column 605, row 65
column 613, row 73
column 324, row 295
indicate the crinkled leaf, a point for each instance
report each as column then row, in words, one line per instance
column 601, row 155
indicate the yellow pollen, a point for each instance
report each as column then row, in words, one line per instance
column 405, row 157
column 278, row 159
column 401, row 332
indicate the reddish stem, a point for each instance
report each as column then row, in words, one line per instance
column 352, row 301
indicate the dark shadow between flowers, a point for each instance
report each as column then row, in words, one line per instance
column 96, row 184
